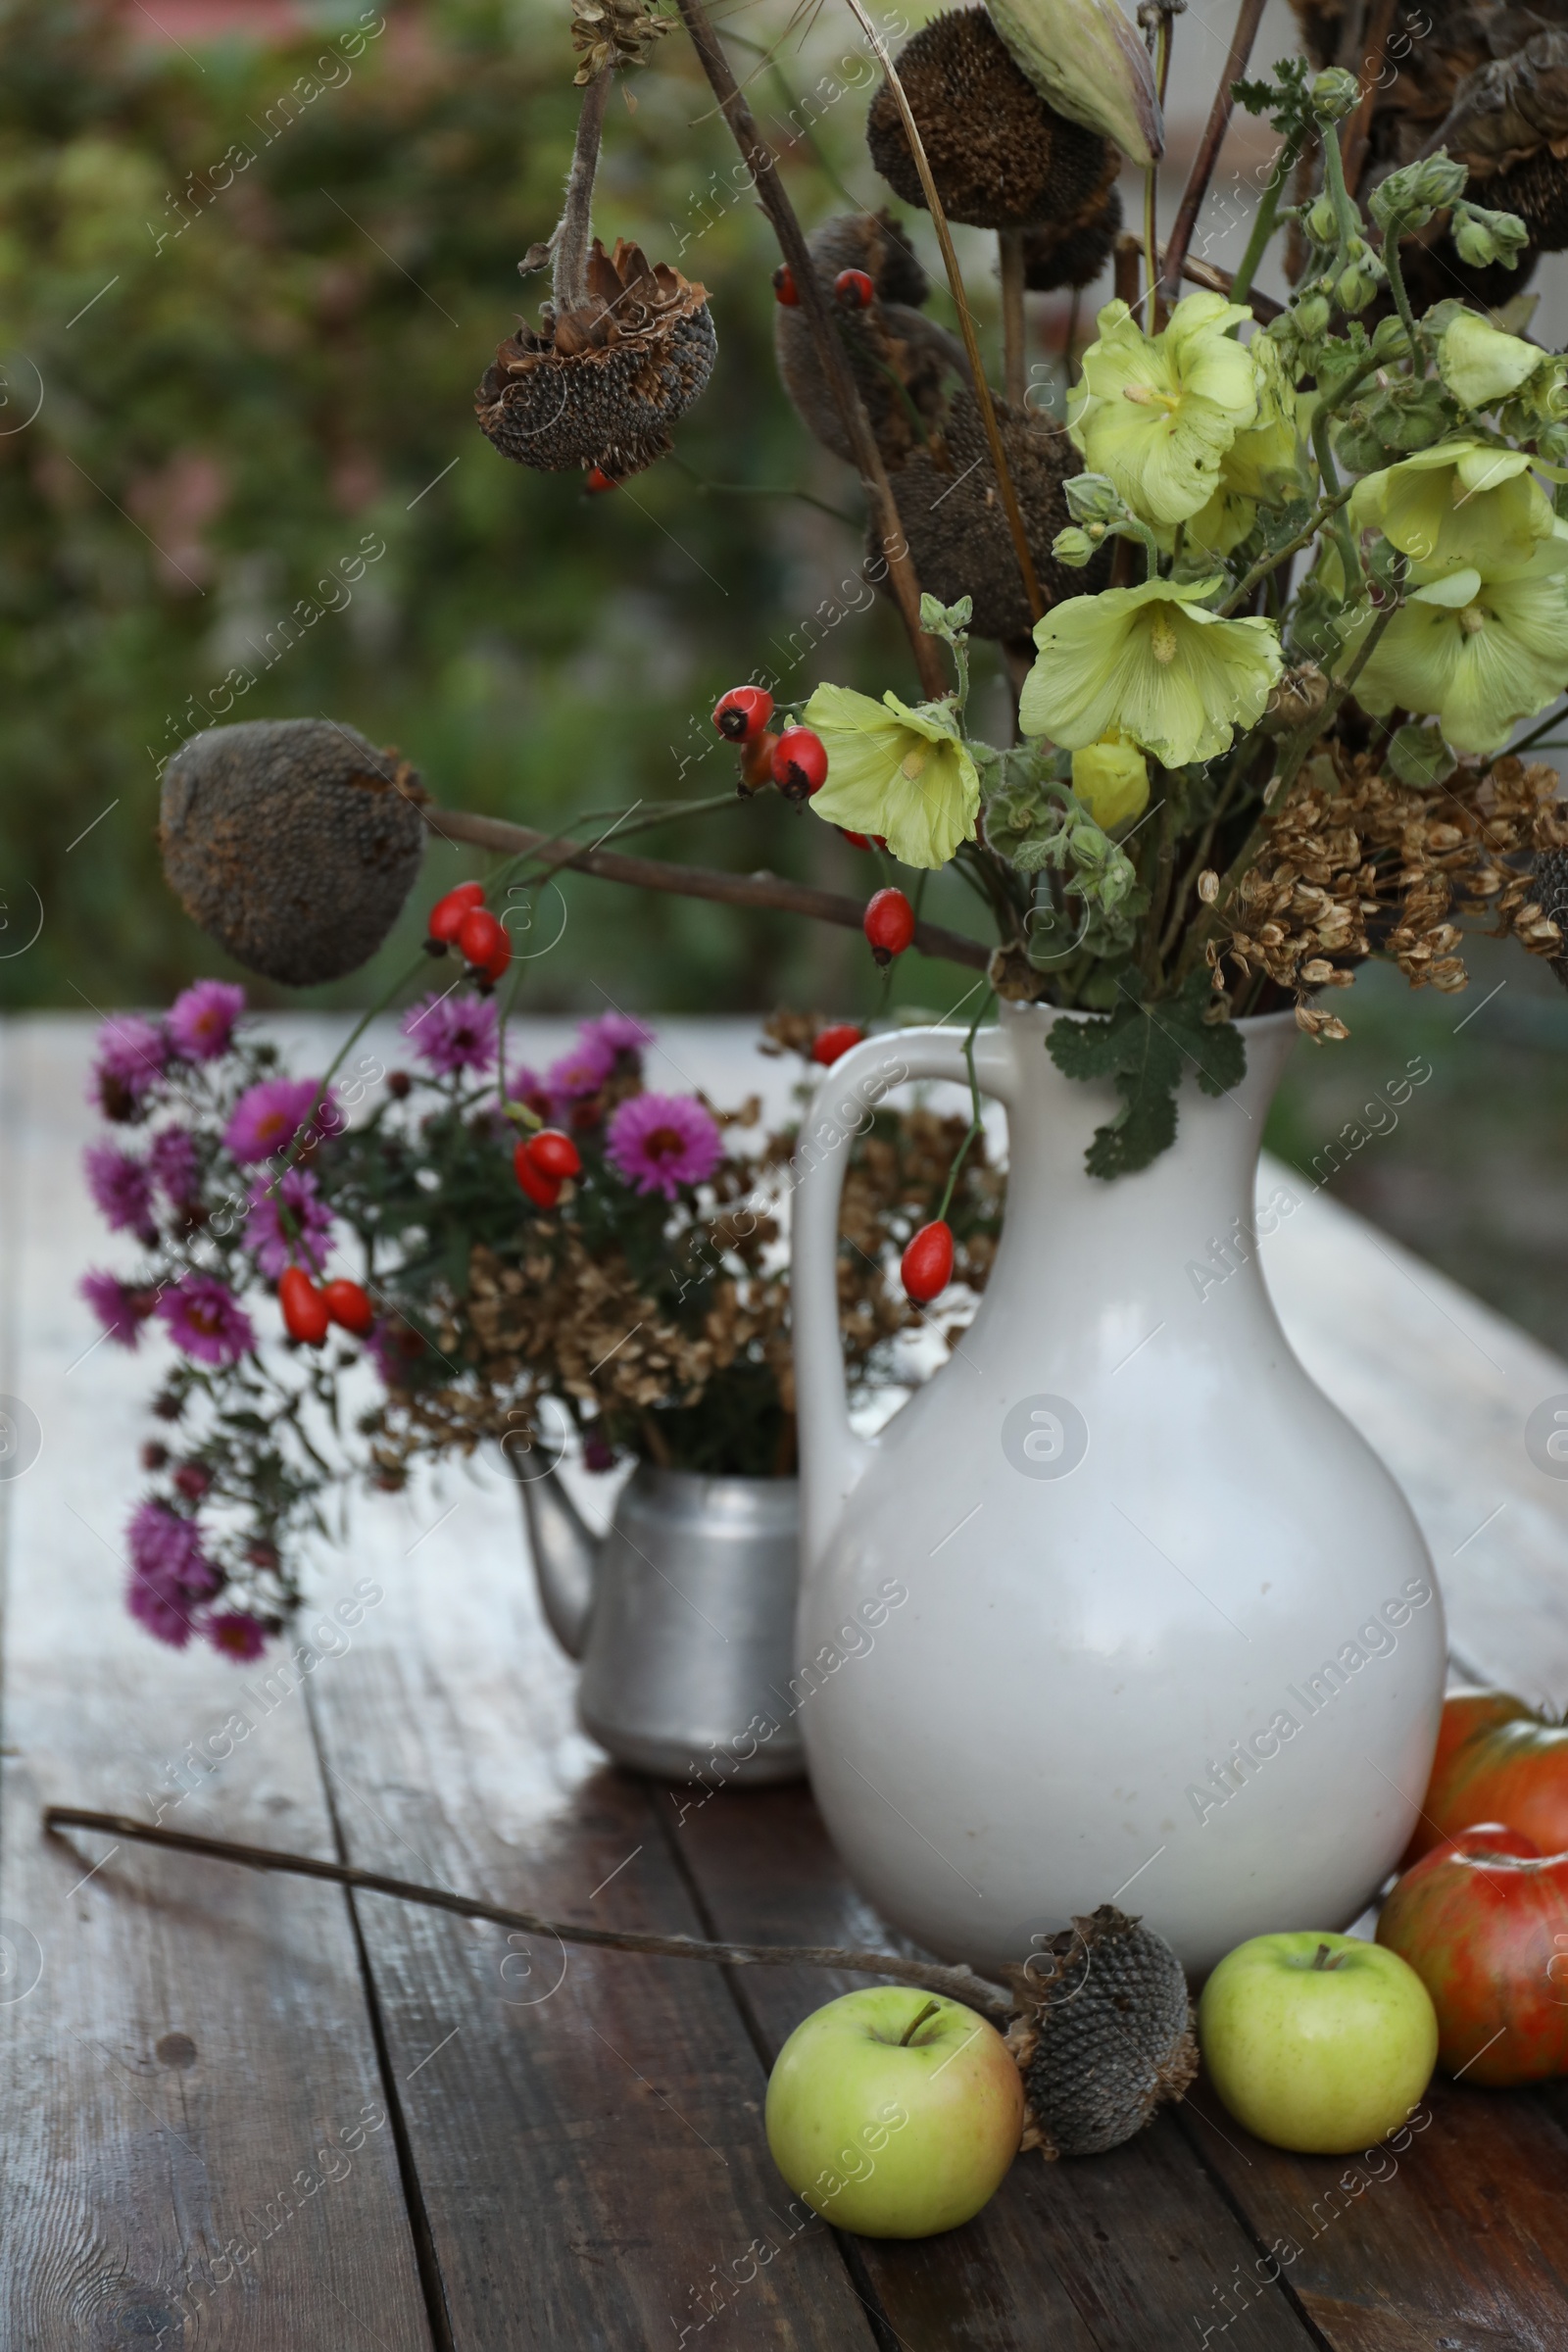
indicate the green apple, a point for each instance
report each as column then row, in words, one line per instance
column 895, row 2114
column 1317, row 2043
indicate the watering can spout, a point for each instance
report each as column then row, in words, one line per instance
column 564, row 1549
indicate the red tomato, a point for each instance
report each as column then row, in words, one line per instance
column 1497, row 1760
column 1483, row 1920
column 306, row 1314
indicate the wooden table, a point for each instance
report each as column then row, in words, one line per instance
column 247, row 2112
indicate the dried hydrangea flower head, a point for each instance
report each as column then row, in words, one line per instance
column 293, row 841
column 623, row 346
column 1000, row 157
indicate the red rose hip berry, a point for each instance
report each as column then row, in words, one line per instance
column 541, row 1190
column 306, row 1313
column 854, row 289
column 555, row 1155
column 351, row 1304
column 927, row 1265
column 480, row 939
column 889, row 925
column 829, row 1043
column 785, row 289
column 447, row 915
column 741, row 715
column 799, row 763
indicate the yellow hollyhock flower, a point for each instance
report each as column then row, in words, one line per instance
column 1474, row 653
column 1481, row 365
column 897, row 771
column 1158, row 413
column 1153, row 663
column 1460, row 503
column 1112, row 779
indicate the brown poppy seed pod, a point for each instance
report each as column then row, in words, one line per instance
column 1000, row 157
column 957, row 529
column 600, row 384
column 1074, row 256
column 1103, row 2036
column 292, row 842
column 901, row 360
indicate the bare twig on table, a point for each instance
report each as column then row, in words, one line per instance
column 692, row 881
column 957, row 1983
column 1208, row 147
column 759, row 161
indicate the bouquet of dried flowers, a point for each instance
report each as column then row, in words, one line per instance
column 515, row 1236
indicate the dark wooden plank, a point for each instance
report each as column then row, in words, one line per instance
column 195, row 2037
column 1454, row 2238
column 1116, row 2252
column 587, row 2127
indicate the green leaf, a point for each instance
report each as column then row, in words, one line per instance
column 1146, row 1050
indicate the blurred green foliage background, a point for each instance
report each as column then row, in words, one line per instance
column 222, row 381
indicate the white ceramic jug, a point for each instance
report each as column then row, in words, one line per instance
column 1172, row 1634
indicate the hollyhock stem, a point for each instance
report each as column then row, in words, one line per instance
column 574, row 235
column 958, row 1983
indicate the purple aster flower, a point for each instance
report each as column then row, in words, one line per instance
column 168, row 1572
column 121, row 1309
column 452, row 1033
column 268, row 1116
column 172, row 1161
column 580, row 1072
column 529, row 1088
column 660, row 1142
column 616, row 1033
column 394, row 1345
column 237, row 1634
column 206, row 1320
column 274, row 1242
column 132, row 1055
column 201, row 1020
column 119, row 1189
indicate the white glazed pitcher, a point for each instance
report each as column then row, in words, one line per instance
column 1172, row 1636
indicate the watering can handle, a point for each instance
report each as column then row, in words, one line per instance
column 832, row 1456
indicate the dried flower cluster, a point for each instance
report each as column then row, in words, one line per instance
column 1354, row 862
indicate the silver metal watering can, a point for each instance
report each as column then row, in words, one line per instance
column 682, row 1615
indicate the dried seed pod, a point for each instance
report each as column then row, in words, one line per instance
column 1103, row 2036
column 1549, row 881
column 957, row 529
column 900, row 360
column 600, row 383
column 293, row 841
column 1072, row 256
column 613, row 33
column 1000, row 157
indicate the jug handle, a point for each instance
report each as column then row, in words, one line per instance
column 832, row 1457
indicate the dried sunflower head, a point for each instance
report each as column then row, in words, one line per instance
column 602, row 383
column 1000, row 157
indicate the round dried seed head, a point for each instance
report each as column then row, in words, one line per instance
column 1103, row 2036
column 293, row 841
column 1000, row 157
column 1074, row 256
column 956, row 526
column 601, row 385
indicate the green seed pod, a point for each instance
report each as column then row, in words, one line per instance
column 1072, row 546
column 1334, row 93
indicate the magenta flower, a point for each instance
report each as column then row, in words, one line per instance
column 132, row 1055
column 168, row 1572
column 394, row 1345
column 207, row 1322
column 171, row 1161
column 529, row 1088
column 581, row 1071
column 121, row 1309
column 659, row 1142
column 452, row 1033
column 201, row 1020
column 273, row 1242
column 119, row 1189
column 269, row 1116
column 237, row 1634
column 616, row 1033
